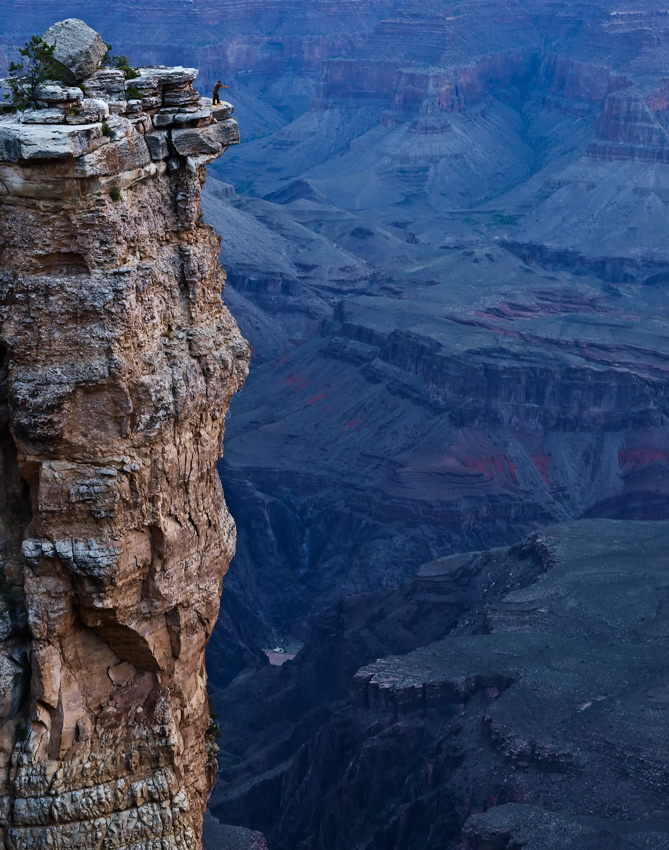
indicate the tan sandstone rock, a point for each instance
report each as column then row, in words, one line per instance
column 117, row 363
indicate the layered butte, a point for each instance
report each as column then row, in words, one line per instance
column 117, row 364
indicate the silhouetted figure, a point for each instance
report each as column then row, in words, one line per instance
column 219, row 85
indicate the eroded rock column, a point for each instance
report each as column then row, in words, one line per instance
column 117, row 364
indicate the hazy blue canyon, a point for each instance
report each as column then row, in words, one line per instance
column 445, row 236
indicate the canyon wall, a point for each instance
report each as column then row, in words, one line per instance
column 434, row 202
column 446, row 241
column 117, row 364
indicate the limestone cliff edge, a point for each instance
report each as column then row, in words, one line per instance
column 118, row 360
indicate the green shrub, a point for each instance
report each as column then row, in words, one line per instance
column 133, row 93
column 106, row 59
column 26, row 77
column 106, row 129
column 115, row 194
column 121, row 62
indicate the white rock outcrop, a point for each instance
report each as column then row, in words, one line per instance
column 78, row 48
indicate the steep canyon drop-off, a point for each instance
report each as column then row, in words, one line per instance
column 117, row 364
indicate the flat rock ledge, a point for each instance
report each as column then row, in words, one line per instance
column 111, row 132
column 533, row 828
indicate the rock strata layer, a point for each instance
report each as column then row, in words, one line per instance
column 117, row 364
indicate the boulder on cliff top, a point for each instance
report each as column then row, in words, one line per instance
column 78, row 48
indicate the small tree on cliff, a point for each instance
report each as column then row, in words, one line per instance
column 37, row 65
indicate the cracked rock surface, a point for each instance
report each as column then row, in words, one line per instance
column 117, row 364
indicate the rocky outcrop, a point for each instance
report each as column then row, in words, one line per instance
column 538, row 721
column 634, row 126
column 117, row 364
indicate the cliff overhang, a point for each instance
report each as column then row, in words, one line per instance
column 111, row 132
column 118, row 360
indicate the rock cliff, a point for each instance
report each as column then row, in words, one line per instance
column 537, row 721
column 117, row 364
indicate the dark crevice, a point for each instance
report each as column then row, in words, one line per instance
column 59, row 263
column 15, row 494
column 15, row 516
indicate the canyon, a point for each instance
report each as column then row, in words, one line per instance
column 444, row 232
column 456, row 307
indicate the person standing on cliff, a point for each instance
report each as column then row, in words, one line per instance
column 219, row 85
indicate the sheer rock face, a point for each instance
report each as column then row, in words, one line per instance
column 117, row 364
